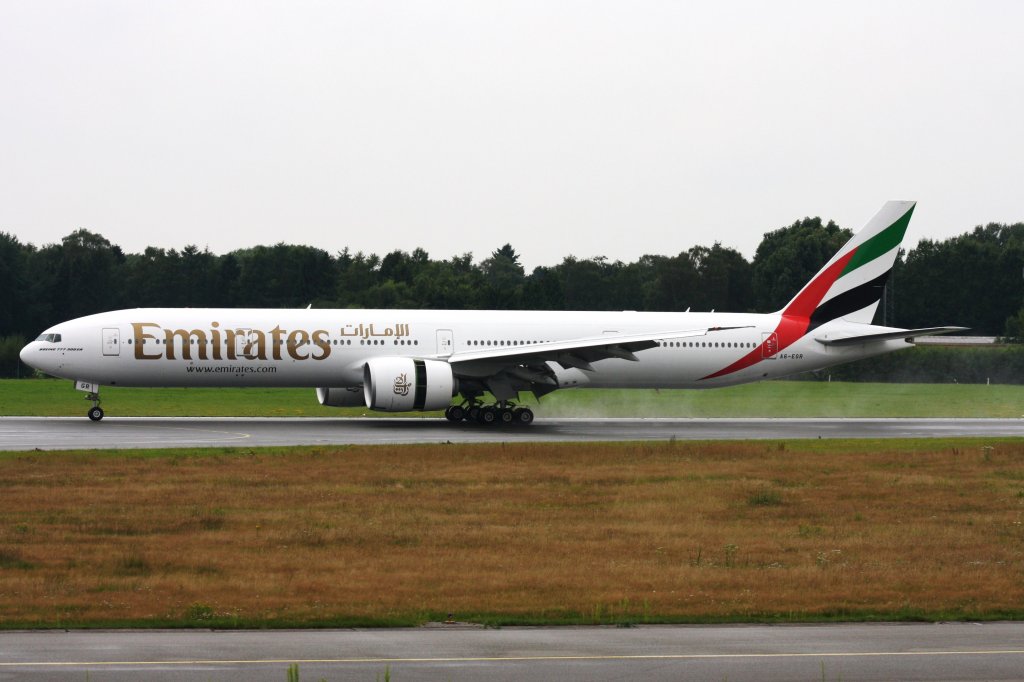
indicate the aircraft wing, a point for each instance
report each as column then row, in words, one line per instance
column 907, row 334
column 505, row 370
column 588, row 349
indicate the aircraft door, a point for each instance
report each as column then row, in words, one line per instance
column 769, row 345
column 445, row 342
column 247, row 344
column 111, row 341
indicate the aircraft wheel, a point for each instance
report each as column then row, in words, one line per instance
column 505, row 415
column 488, row 415
column 455, row 413
column 473, row 414
column 524, row 415
column 96, row 414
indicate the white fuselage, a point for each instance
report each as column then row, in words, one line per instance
column 316, row 348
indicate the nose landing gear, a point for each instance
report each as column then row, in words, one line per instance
column 95, row 412
column 92, row 394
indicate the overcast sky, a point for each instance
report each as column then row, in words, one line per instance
column 585, row 128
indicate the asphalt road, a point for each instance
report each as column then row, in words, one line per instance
column 51, row 433
column 949, row 651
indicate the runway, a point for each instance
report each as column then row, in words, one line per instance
column 55, row 433
column 947, row 651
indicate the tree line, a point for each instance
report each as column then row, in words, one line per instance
column 975, row 279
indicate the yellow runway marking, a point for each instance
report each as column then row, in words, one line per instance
column 501, row 659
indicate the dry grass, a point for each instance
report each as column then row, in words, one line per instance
column 531, row 532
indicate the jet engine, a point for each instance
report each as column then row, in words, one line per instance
column 348, row 396
column 403, row 384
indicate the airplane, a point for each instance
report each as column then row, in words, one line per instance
column 424, row 360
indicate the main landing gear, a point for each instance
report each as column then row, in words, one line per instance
column 503, row 412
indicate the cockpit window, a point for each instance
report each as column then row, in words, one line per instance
column 49, row 338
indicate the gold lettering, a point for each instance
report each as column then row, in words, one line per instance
column 276, row 333
column 140, row 338
column 249, row 344
column 231, row 333
column 186, row 342
column 297, row 338
column 215, row 340
column 320, row 339
column 255, row 346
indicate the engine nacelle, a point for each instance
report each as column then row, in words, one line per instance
column 404, row 384
column 348, row 396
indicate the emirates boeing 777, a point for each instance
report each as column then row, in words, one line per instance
column 474, row 364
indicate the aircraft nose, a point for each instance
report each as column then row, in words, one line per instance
column 27, row 354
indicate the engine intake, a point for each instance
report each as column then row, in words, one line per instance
column 404, row 384
column 347, row 396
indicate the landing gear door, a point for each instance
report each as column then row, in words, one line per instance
column 111, row 342
column 769, row 345
column 445, row 342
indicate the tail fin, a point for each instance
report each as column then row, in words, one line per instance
column 850, row 285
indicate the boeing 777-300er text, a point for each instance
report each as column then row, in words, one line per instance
column 402, row 360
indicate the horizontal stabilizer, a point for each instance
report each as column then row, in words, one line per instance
column 905, row 334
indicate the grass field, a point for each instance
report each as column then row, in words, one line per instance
column 766, row 399
column 525, row 533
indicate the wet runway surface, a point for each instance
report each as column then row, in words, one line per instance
column 948, row 651
column 54, row 433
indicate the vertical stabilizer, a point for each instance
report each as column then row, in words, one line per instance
column 850, row 285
